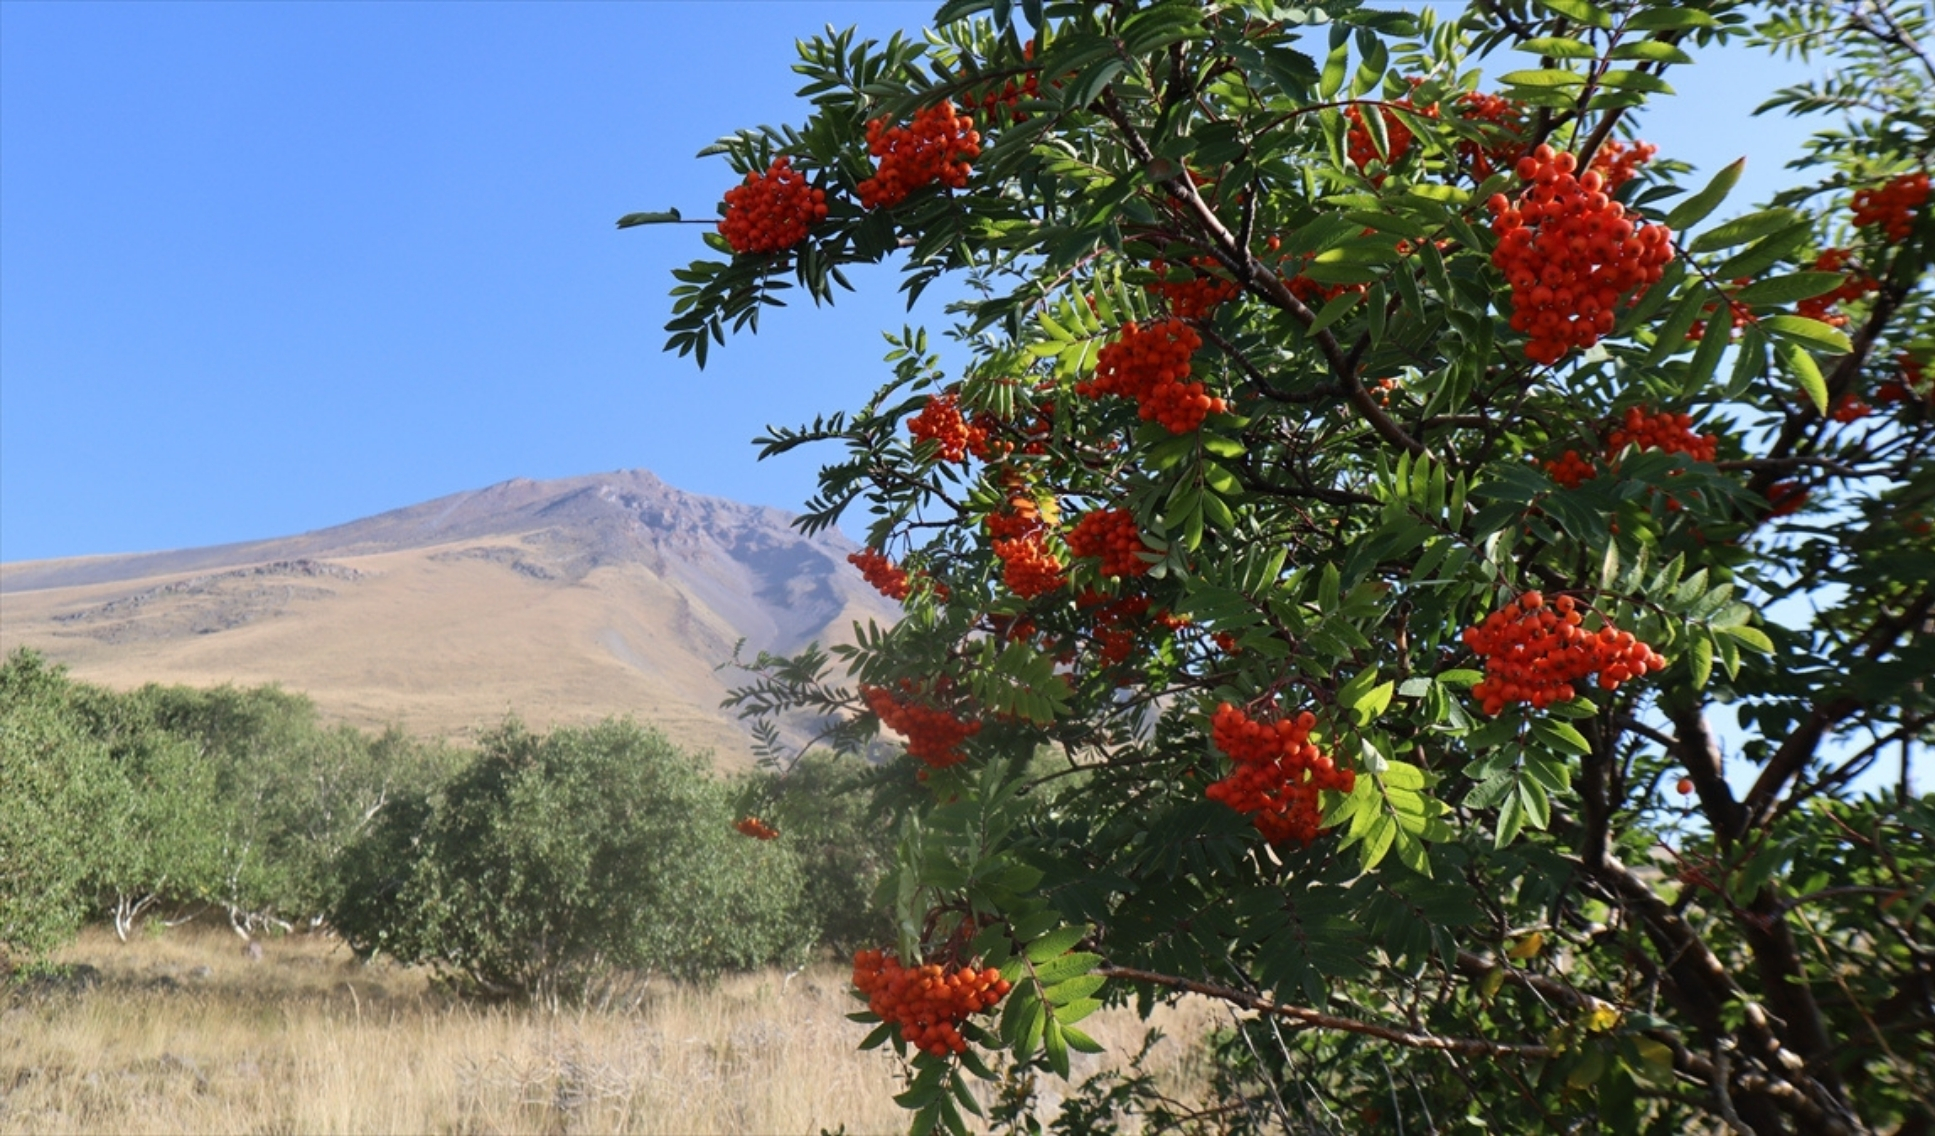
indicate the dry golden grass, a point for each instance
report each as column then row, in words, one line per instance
column 185, row 1033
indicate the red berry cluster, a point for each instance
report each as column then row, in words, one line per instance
column 1570, row 252
column 1399, row 137
column 1913, row 384
column 1619, row 163
column 1570, row 469
column 1021, row 518
column 936, row 147
column 1785, row 498
column 1856, row 285
column 986, row 430
column 887, row 578
column 1115, row 621
column 1505, row 120
column 933, row 735
column 755, row 828
column 1152, row 367
column 1648, row 431
column 1316, row 293
column 1009, row 94
column 1662, row 431
column 1195, row 299
column 1020, row 541
column 990, row 438
column 1849, row 408
column 928, row 1002
column 1534, row 654
column 1028, row 567
column 1303, row 287
column 1111, row 536
column 1279, row 773
column 984, row 437
column 940, row 421
column 1013, row 628
column 1892, row 206
column 772, row 211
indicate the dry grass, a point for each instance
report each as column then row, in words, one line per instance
column 185, row 1033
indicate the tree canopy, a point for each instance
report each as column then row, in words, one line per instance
column 1378, row 479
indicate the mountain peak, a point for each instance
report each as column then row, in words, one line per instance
column 566, row 600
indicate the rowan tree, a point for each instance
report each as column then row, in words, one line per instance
column 1378, row 479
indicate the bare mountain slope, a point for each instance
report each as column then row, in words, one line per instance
column 565, row 601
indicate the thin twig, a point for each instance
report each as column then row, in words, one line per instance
column 1476, row 1047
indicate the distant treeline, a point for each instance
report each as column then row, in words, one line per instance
column 534, row 865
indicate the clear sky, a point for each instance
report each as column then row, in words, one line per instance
column 266, row 268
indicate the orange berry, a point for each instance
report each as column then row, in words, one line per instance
column 1569, row 253
column 1278, row 774
column 772, row 211
column 1892, row 206
column 1534, row 654
column 937, row 147
column 940, row 421
column 934, row 735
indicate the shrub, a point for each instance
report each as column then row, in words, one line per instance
column 58, row 791
column 553, row 860
column 832, row 812
column 169, row 798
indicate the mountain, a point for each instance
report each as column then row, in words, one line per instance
column 564, row 601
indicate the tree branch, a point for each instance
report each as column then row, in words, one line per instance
column 1257, row 277
column 1473, row 1047
column 1699, row 750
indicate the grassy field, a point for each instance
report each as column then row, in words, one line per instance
column 185, row 1032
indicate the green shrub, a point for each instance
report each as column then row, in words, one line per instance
column 60, row 798
column 165, row 798
column 552, row 861
column 834, row 813
column 288, row 793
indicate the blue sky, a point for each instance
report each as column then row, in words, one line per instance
column 266, row 268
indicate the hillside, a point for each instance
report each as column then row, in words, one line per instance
column 565, row 601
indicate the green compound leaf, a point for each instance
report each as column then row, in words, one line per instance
column 1741, row 230
column 1056, row 943
column 1790, row 288
column 1079, row 987
column 1079, row 1041
column 1700, row 660
column 1695, row 209
column 1544, row 78
column 1590, row 15
column 1753, row 637
column 1670, row 19
column 1811, row 332
column 1798, row 362
column 1652, row 50
column 1066, row 967
column 1055, row 1046
column 1559, row 47
column 1561, row 735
